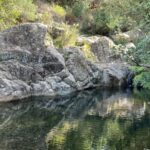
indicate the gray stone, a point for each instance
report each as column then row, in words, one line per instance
column 115, row 75
column 25, row 62
column 102, row 47
column 28, row 67
column 129, row 36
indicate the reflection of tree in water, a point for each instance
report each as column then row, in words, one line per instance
column 107, row 124
column 97, row 133
column 91, row 119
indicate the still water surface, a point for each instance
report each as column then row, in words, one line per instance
column 89, row 120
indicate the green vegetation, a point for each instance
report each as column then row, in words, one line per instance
column 140, row 57
column 58, row 10
column 143, row 79
column 88, row 53
column 16, row 11
column 102, row 17
column 67, row 37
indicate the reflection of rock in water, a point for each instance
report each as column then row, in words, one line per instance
column 119, row 105
column 25, row 124
column 130, row 80
column 89, row 127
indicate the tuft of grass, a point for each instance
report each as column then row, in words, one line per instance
column 44, row 14
column 46, row 18
column 68, row 37
column 88, row 53
column 48, row 41
column 15, row 11
column 27, row 9
column 58, row 10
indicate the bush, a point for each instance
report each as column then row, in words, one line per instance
column 88, row 53
column 100, row 22
column 104, row 17
column 80, row 7
column 68, row 37
column 58, row 10
column 27, row 9
column 141, row 14
column 143, row 80
column 141, row 56
column 46, row 18
column 16, row 11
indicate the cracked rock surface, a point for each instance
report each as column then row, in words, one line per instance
column 28, row 67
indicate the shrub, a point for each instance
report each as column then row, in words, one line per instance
column 8, row 16
column 141, row 56
column 80, row 7
column 88, row 53
column 15, row 11
column 106, row 16
column 46, row 18
column 143, row 79
column 142, row 51
column 68, row 37
column 141, row 14
column 58, row 10
column 27, row 9
column 100, row 22
column 77, row 9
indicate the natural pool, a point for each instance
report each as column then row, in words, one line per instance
column 89, row 120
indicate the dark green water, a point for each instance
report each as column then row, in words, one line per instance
column 90, row 120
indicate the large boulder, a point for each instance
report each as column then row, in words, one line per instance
column 25, row 62
column 115, row 75
column 102, row 47
column 127, row 37
column 85, row 73
column 28, row 67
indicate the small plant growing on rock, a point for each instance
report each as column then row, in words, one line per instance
column 67, row 37
column 88, row 53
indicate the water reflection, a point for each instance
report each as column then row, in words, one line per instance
column 89, row 120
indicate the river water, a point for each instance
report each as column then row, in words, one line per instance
column 89, row 120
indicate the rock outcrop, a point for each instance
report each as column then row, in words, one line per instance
column 101, row 46
column 28, row 67
column 129, row 36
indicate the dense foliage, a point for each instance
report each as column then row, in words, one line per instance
column 104, row 17
column 141, row 57
column 16, row 11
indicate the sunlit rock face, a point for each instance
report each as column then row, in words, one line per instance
column 102, row 47
column 28, row 67
column 129, row 36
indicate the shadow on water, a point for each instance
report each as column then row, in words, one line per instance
column 89, row 120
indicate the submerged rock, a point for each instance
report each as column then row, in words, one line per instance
column 28, row 67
